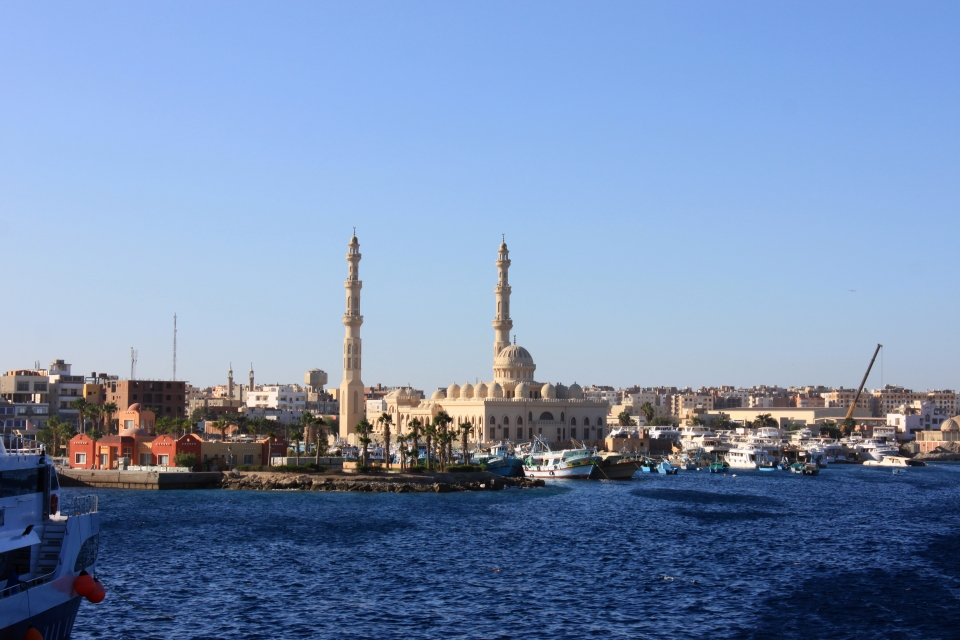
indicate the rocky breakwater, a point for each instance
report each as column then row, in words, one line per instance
column 947, row 452
column 375, row 483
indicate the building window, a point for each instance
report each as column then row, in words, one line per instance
column 164, row 460
column 586, row 422
column 80, row 458
column 23, row 386
column 39, row 386
column 573, row 422
column 248, row 458
column 573, row 432
column 519, row 420
column 561, row 416
column 506, row 420
column 530, row 416
column 546, row 416
column 506, row 433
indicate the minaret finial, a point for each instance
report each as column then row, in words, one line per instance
column 354, row 231
column 514, row 338
column 503, row 237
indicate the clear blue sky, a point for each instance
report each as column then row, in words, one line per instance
column 689, row 190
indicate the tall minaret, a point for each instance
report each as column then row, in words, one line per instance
column 502, row 324
column 230, row 382
column 250, row 388
column 352, row 403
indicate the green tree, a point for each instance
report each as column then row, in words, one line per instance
column 429, row 434
column 441, row 423
column 415, row 426
column 648, row 411
column 221, row 426
column 80, row 406
column 847, row 427
column 696, row 421
column 765, row 420
column 64, row 432
column 465, row 429
column 625, row 420
column 164, row 424
column 721, row 421
column 196, row 415
column 386, row 420
column 321, row 437
column 829, row 428
column 661, row 422
column 94, row 434
column 188, row 460
column 107, row 412
column 363, row 430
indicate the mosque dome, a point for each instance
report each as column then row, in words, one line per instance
column 548, row 392
column 466, row 391
column 480, row 391
column 522, row 390
column 951, row 424
column 135, row 407
column 575, row 392
column 513, row 356
column 453, row 391
column 496, row 391
column 437, row 395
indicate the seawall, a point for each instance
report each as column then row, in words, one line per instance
column 154, row 480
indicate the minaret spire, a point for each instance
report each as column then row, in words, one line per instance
column 352, row 401
column 502, row 324
column 230, row 381
column 251, row 377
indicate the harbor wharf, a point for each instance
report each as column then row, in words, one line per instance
column 295, row 481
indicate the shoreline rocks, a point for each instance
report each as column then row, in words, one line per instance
column 385, row 483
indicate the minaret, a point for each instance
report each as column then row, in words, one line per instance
column 250, row 388
column 230, row 382
column 502, row 324
column 352, row 403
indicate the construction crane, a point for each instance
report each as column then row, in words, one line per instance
column 853, row 405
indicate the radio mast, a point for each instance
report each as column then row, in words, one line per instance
column 133, row 363
column 174, row 347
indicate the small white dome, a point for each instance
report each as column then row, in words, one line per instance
column 453, row 391
column 522, row 391
column 437, row 395
column 548, row 392
column 575, row 392
column 466, row 391
column 496, row 391
column 480, row 391
column 950, row 425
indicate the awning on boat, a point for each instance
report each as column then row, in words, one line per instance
column 10, row 543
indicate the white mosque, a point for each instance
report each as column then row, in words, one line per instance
column 513, row 406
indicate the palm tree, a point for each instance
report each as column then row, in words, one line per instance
column 363, row 430
column 722, row 421
column 429, row 433
column 415, row 426
column 321, row 435
column 442, row 420
column 765, row 420
column 64, row 432
column 108, row 410
column 386, row 420
column 648, row 411
column 847, row 426
column 465, row 428
column 221, row 426
column 296, row 435
column 80, row 406
column 696, row 421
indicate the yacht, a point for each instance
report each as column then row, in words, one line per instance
column 894, row 461
column 876, row 450
column 664, row 433
column 48, row 546
column 541, row 462
column 744, row 456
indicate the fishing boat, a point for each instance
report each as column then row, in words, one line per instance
column 615, row 466
column 498, row 459
column 48, row 546
column 805, row 468
column 666, row 468
column 542, row 462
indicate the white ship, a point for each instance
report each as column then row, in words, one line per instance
column 541, row 462
column 877, row 450
column 48, row 546
column 744, row 456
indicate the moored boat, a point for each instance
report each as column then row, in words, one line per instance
column 615, row 466
column 498, row 459
column 541, row 462
column 48, row 546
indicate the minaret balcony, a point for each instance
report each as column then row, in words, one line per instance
column 353, row 284
column 352, row 320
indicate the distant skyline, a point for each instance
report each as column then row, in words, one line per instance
column 693, row 194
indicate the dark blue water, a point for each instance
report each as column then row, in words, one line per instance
column 855, row 552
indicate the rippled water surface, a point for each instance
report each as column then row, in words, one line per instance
column 855, row 552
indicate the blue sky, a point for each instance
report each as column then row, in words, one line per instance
column 689, row 190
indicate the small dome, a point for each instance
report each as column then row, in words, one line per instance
column 522, row 391
column 354, row 240
column 135, row 407
column 480, row 391
column 575, row 392
column 496, row 391
column 548, row 392
column 513, row 356
column 466, row 391
column 951, row 424
column 437, row 395
column 453, row 391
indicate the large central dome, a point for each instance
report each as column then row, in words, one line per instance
column 513, row 363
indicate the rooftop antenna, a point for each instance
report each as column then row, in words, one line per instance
column 174, row 347
column 133, row 363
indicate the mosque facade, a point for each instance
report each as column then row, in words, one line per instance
column 512, row 406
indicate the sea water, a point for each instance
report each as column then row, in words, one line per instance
column 853, row 552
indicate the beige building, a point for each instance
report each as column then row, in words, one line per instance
column 843, row 398
column 512, row 406
column 791, row 415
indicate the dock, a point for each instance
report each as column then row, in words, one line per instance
column 150, row 480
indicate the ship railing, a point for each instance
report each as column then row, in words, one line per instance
column 23, row 585
column 14, row 444
column 79, row 505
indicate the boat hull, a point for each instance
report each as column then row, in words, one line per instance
column 620, row 471
column 507, row 468
column 56, row 623
column 580, row 472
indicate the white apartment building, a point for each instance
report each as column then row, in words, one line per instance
column 374, row 409
column 916, row 416
column 891, row 397
column 64, row 389
column 280, row 397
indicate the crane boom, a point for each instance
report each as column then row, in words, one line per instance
column 853, row 405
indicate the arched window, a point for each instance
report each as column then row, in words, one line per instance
column 573, row 422
column 506, row 433
column 349, row 349
column 546, row 415
column 506, row 420
column 600, row 422
column 586, row 422
column 492, row 433
column 492, row 420
column 561, row 416
column 519, row 420
column 573, row 432
column 353, row 407
column 530, row 416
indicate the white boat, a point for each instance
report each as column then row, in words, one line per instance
column 894, row 461
column 744, row 456
column 664, row 433
column 48, row 546
column 876, row 450
column 541, row 462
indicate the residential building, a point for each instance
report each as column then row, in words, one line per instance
column 65, row 389
column 843, row 398
column 29, row 391
column 947, row 436
column 164, row 397
column 917, row 416
column 280, row 397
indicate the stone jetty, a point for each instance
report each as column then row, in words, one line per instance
column 373, row 483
